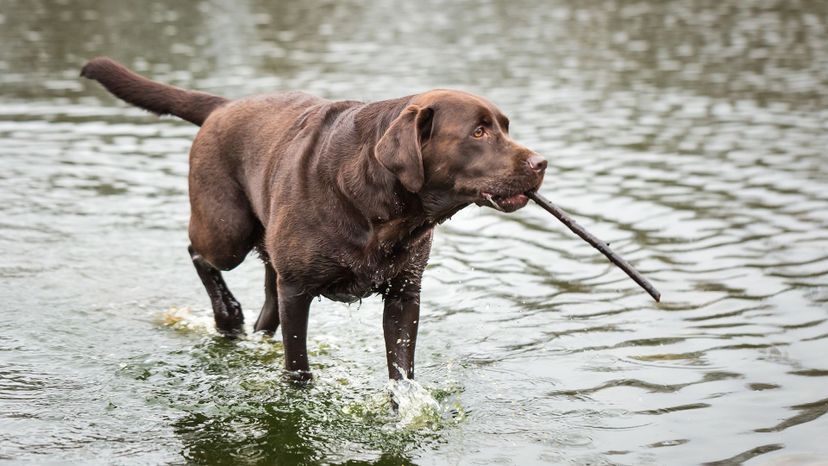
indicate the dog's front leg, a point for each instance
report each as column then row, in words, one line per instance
column 399, row 324
column 294, row 307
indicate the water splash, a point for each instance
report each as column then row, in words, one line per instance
column 404, row 405
column 183, row 319
column 416, row 407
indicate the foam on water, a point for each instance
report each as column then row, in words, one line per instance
column 183, row 318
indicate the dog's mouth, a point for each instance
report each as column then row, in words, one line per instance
column 503, row 203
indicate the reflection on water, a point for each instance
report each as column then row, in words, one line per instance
column 691, row 135
column 238, row 408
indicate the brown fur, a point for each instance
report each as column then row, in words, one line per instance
column 160, row 99
column 340, row 198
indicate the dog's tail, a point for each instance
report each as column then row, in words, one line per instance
column 158, row 98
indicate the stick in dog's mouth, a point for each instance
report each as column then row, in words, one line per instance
column 593, row 241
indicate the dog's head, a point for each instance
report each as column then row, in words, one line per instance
column 453, row 148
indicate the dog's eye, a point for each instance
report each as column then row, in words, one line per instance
column 479, row 132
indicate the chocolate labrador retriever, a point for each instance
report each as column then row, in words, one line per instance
column 340, row 199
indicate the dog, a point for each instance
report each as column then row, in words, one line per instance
column 339, row 198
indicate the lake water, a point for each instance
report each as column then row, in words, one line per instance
column 692, row 135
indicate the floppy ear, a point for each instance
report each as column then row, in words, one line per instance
column 398, row 150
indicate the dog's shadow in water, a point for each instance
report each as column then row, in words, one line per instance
column 240, row 409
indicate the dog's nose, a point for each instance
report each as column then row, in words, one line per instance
column 537, row 163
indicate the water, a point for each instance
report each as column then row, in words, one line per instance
column 691, row 135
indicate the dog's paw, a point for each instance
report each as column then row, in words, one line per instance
column 299, row 378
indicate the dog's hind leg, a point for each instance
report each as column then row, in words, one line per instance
column 226, row 309
column 222, row 233
column 268, row 320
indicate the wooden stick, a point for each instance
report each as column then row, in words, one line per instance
column 595, row 242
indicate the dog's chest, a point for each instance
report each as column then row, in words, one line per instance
column 374, row 270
